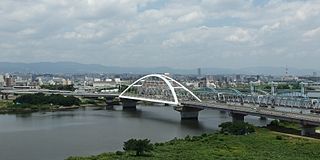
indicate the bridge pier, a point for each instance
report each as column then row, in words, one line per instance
column 308, row 130
column 263, row 118
column 5, row 96
column 223, row 112
column 129, row 104
column 188, row 112
column 237, row 117
column 109, row 102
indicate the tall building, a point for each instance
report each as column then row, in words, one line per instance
column 314, row 74
column 203, row 82
column 1, row 80
column 8, row 80
column 238, row 77
column 199, row 72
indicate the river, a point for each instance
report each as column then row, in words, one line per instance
column 83, row 132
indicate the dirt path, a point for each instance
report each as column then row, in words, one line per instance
column 297, row 136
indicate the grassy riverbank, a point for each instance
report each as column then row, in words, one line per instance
column 38, row 102
column 9, row 107
column 263, row 144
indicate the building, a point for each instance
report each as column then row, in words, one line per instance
column 8, row 80
column 203, row 82
column 1, row 80
column 199, row 72
column 314, row 74
column 103, row 84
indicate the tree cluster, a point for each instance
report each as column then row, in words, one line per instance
column 59, row 87
column 236, row 128
column 138, row 145
column 40, row 98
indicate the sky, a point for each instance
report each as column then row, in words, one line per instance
column 170, row 33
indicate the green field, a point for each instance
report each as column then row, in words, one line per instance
column 262, row 145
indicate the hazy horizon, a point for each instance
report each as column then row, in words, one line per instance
column 75, row 67
column 106, row 65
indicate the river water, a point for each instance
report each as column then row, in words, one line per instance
column 83, row 132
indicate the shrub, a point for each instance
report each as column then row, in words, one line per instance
column 236, row 128
column 59, row 87
column 275, row 123
column 278, row 137
column 119, row 153
column 138, row 145
column 188, row 138
column 204, row 135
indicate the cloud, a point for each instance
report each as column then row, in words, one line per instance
column 240, row 35
column 312, row 33
column 225, row 33
column 193, row 16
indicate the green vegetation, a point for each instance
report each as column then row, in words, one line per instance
column 284, row 123
column 122, row 88
column 5, row 103
column 286, row 127
column 89, row 101
column 236, row 128
column 261, row 145
column 59, row 87
column 139, row 146
column 37, row 102
column 40, row 98
column 289, row 86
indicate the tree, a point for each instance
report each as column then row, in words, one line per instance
column 59, row 87
column 40, row 98
column 275, row 123
column 236, row 128
column 139, row 146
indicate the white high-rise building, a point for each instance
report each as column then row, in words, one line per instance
column 1, row 80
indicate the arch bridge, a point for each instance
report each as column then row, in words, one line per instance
column 160, row 88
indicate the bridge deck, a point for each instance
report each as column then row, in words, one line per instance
column 247, row 109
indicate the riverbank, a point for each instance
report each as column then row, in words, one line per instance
column 35, row 108
column 40, row 102
column 264, row 144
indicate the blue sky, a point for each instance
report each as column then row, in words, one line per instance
column 173, row 33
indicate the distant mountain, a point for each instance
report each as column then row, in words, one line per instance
column 261, row 71
column 72, row 67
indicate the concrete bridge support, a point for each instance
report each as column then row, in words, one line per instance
column 129, row 104
column 237, row 117
column 188, row 112
column 4, row 96
column 308, row 130
column 263, row 118
column 223, row 112
column 109, row 102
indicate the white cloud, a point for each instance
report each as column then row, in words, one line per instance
column 240, row 35
column 193, row 16
column 221, row 30
column 312, row 33
column 27, row 31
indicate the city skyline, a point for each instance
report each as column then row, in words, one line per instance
column 153, row 33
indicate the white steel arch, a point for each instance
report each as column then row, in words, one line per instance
column 167, row 80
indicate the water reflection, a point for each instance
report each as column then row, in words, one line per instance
column 24, row 115
column 192, row 124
